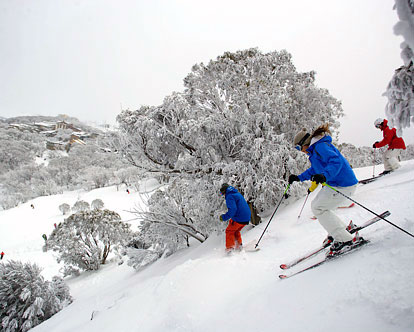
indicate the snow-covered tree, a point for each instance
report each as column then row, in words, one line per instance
column 234, row 122
column 97, row 204
column 360, row 156
column 26, row 299
column 405, row 28
column 64, row 208
column 85, row 239
column 400, row 90
column 80, row 206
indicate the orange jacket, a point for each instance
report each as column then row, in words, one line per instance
column 390, row 138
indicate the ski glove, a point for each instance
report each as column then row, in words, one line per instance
column 318, row 178
column 221, row 218
column 375, row 145
column 293, row 178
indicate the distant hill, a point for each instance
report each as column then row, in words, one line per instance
column 31, row 119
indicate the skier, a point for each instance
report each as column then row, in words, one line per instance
column 328, row 165
column 127, row 191
column 44, row 236
column 32, row 206
column 1, row 255
column 238, row 215
column 395, row 145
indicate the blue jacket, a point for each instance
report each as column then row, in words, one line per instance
column 238, row 209
column 327, row 160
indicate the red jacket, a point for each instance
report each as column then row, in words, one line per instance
column 390, row 138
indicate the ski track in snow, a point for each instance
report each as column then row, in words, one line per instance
column 203, row 289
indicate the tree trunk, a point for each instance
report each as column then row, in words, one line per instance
column 254, row 218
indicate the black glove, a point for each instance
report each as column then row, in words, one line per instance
column 375, row 145
column 318, row 178
column 293, row 178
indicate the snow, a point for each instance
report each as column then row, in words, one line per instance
column 202, row 289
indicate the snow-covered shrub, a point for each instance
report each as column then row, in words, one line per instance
column 69, row 270
column 97, row 204
column 139, row 258
column 85, row 239
column 143, row 249
column 129, row 176
column 11, row 200
column 64, row 208
column 26, row 299
column 80, row 206
column 97, row 176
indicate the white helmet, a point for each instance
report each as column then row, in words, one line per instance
column 378, row 122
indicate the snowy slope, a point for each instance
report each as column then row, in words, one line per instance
column 202, row 289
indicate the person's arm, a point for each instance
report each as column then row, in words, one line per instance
column 306, row 175
column 232, row 208
column 388, row 136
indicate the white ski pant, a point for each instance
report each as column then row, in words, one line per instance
column 323, row 207
column 390, row 159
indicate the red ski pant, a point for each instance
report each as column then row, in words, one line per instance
column 233, row 236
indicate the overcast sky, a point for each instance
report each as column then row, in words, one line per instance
column 89, row 58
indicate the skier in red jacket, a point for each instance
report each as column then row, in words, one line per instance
column 395, row 145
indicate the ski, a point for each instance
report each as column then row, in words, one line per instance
column 346, row 207
column 369, row 180
column 303, row 258
column 351, row 228
column 323, row 260
column 251, row 247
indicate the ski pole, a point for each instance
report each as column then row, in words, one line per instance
column 300, row 213
column 283, row 196
column 401, row 229
column 374, row 161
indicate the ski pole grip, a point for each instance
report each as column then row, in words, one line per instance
column 313, row 186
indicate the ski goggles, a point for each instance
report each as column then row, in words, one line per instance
column 300, row 143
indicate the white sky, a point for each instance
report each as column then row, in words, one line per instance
column 89, row 58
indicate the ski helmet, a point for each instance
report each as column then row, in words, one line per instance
column 378, row 123
column 302, row 138
column 223, row 188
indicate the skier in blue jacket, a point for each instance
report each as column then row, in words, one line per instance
column 328, row 165
column 238, row 215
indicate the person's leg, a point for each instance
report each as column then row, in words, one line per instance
column 230, row 235
column 391, row 162
column 323, row 205
column 237, row 235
